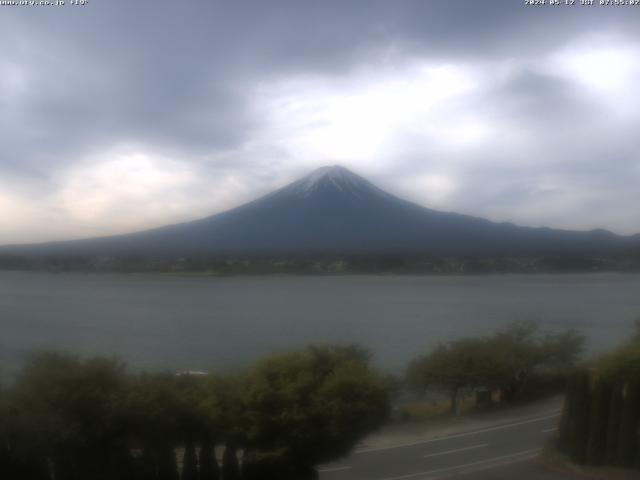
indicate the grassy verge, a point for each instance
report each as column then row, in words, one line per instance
column 421, row 410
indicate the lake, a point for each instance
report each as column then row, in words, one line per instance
column 204, row 323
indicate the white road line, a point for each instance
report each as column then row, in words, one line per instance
column 488, row 463
column 334, row 469
column 550, row 430
column 459, row 435
column 502, row 463
column 482, row 445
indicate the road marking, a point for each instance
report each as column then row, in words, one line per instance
column 550, row 430
column 459, row 435
column 487, row 463
column 482, row 445
column 502, row 463
column 334, row 469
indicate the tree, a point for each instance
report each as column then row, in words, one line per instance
column 622, row 368
column 519, row 351
column 221, row 403
column 458, row 365
column 561, row 350
column 189, row 462
column 69, row 410
column 311, row 406
column 507, row 360
column 230, row 467
column 6, row 454
column 20, row 456
column 160, row 416
column 89, row 419
column 613, row 425
column 598, row 419
column 600, row 424
column 209, row 469
column 579, row 419
column 628, row 435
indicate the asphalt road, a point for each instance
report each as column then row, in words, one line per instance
column 504, row 450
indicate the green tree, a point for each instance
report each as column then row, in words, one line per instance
column 311, row 406
column 461, row 364
column 167, row 466
column 622, row 368
column 600, row 424
column 628, row 435
column 230, row 467
column 189, row 462
column 159, row 418
column 507, row 360
column 6, row 453
column 21, row 456
column 209, row 469
column 598, row 420
column 222, row 406
column 519, row 351
column 613, row 426
column 70, row 411
column 579, row 420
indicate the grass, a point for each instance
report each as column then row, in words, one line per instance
column 420, row 410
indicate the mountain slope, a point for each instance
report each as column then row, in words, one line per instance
column 333, row 210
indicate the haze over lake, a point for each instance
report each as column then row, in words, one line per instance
column 204, row 323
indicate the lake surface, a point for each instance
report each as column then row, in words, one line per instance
column 169, row 322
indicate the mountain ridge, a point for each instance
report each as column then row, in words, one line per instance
column 333, row 210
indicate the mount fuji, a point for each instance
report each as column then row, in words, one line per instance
column 334, row 211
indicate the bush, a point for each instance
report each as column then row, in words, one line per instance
column 75, row 419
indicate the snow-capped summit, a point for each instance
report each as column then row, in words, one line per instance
column 334, row 178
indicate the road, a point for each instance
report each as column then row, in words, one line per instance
column 503, row 450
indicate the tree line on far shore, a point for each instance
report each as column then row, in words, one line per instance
column 324, row 264
column 67, row 418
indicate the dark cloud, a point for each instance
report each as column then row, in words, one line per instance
column 182, row 80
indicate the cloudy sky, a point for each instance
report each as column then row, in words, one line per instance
column 119, row 115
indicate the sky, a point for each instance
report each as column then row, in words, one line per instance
column 118, row 116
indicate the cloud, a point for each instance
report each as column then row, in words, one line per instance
column 360, row 117
column 120, row 116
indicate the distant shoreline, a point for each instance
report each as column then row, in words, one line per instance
column 328, row 264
